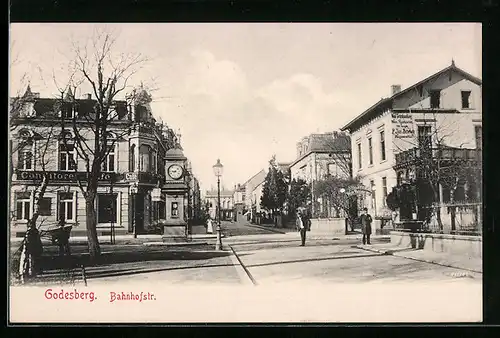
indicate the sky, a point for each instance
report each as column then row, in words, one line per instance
column 243, row 92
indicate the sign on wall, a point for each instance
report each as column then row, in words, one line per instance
column 156, row 195
column 61, row 176
column 402, row 125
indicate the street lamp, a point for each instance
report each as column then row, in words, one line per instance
column 218, row 173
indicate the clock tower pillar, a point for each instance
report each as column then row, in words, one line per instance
column 175, row 190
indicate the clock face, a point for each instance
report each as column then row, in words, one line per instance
column 175, row 171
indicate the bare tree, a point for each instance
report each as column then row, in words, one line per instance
column 107, row 72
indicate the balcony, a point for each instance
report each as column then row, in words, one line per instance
column 445, row 155
column 143, row 177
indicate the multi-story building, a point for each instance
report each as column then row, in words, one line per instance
column 319, row 155
column 239, row 197
column 43, row 145
column 193, row 197
column 253, row 192
column 442, row 110
column 226, row 203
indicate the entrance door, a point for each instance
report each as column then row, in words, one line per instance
column 139, row 213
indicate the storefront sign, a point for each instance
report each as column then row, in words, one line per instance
column 402, row 125
column 60, row 176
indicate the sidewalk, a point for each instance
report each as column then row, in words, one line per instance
column 463, row 262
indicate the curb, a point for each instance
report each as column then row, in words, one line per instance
column 266, row 228
column 430, row 261
column 243, row 273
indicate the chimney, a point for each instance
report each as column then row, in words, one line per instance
column 395, row 89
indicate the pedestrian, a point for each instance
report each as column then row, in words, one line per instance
column 301, row 224
column 210, row 228
column 63, row 233
column 366, row 226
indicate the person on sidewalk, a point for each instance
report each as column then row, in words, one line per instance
column 366, row 226
column 302, row 226
column 210, row 228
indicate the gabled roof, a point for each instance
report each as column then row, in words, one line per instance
column 256, row 179
column 386, row 103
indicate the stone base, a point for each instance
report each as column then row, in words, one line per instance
column 174, row 233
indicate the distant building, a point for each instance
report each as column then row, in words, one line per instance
column 253, row 193
column 226, row 203
column 239, row 197
column 319, row 155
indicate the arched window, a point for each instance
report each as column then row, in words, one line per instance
column 131, row 162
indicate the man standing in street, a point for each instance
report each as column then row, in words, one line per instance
column 366, row 226
column 302, row 226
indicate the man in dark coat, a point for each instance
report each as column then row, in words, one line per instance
column 366, row 226
column 302, row 226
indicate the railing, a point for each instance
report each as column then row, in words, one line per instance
column 414, row 154
column 456, row 218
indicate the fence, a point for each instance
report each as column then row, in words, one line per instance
column 456, row 218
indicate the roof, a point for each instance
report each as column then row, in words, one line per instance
column 386, row 103
column 256, row 179
column 325, row 143
column 175, row 153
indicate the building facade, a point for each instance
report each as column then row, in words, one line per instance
column 226, row 204
column 320, row 155
column 253, row 193
column 442, row 110
column 239, row 196
column 42, row 146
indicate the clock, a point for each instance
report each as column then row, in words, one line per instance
column 175, row 171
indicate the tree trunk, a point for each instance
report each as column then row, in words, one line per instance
column 91, row 223
column 452, row 211
column 438, row 208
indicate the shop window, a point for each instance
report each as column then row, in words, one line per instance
column 107, row 208
column 45, row 206
column 66, row 207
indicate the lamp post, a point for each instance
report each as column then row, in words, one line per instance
column 218, row 173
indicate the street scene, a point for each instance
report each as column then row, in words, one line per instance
column 255, row 163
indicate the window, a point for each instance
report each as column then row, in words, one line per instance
column 45, row 206
column 370, row 150
column 372, row 189
column 360, row 162
column 25, row 156
column 109, row 162
column 332, row 169
column 435, row 98
column 67, row 152
column 23, row 206
column 478, row 131
column 144, row 156
column 106, row 208
column 66, row 207
column 131, row 161
column 384, row 191
column 175, row 209
column 424, row 136
column 465, row 99
column 67, row 111
column 382, row 145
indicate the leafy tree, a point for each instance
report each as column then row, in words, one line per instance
column 298, row 195
column 274, row 192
